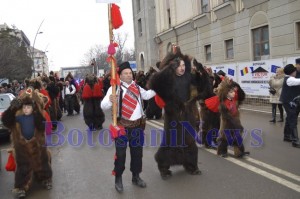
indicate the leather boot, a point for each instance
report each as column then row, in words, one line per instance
column 273, row 114
column 119, row 184
column 295, row 138
column 136, row 180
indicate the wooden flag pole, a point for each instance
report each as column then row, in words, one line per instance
column 113, row 68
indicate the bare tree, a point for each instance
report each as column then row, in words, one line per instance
column 129, row 55
column 121, row 40
column 98, row 53
column 15, row 63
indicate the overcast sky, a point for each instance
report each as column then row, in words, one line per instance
column 70, row 28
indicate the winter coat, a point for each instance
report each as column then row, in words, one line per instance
column 276, row 82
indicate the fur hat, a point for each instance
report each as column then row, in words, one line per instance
column 297, row 61
column 27, row 100
column 123, row 66
column 224, row 87
column 289, row 69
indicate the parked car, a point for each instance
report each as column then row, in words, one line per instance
column 5, row 99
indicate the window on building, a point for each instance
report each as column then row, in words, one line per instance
column 140, row 27
column 298, row 34
column 261, row 47
column 169, row 18
column 204, row 6
column 168, row 13
column 138, row 5
column 229, row 49
column 207, row 50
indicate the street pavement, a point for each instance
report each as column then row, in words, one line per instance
column 84, row 171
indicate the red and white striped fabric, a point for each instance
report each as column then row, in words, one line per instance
column 129, row 101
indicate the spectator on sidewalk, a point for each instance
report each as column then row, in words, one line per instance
column 276, row 82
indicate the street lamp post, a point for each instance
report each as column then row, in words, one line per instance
column 32, row 53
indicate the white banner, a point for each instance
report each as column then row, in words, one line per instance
column 228, row 69
column 292, row 60
column 108, row 1
column 254, row 77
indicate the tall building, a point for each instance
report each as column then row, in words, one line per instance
column 228, row 31
column 144, row 22
column 40, row 61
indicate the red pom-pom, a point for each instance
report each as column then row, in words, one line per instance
column 113, row 173
column 116, row 17
column 11, row 163
column 111, row 49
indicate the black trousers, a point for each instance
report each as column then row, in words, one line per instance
column 135, row 138
column 69, row 101
column 290, row 127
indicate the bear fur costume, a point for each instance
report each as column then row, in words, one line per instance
column 92, row 96
column 31, row 156
column 209, row 112
column 230, row 121
column 184, row 150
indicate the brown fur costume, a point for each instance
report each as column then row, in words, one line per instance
column 92, row 95
column 32, row 157
column 182, row 150
column 230, row 123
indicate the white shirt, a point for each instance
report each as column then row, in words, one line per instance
column 138, row 111
column 292, row 81
column 67, row 90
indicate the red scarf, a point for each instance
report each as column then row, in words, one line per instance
column 129, row 101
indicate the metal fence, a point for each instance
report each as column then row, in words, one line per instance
column 257, row 103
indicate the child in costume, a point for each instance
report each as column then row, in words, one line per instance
column 26, row 122
column 231, row 129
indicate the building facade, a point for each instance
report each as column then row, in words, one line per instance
column 227, row 31
column 144, row 22
column 40, row 62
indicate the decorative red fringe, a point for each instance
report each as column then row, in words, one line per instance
column 87, row 92
column 97, row 92
column 159, row 101
column 213, row 103
column 48, row 128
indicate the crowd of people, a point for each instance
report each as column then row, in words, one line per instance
column 179, row 85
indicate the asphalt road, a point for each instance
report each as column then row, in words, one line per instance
column 84, row 171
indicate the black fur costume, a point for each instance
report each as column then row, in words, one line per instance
column 92, row 95
column 170, row 152
column 31, row 156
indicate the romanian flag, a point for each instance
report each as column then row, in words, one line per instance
column 244, row 71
